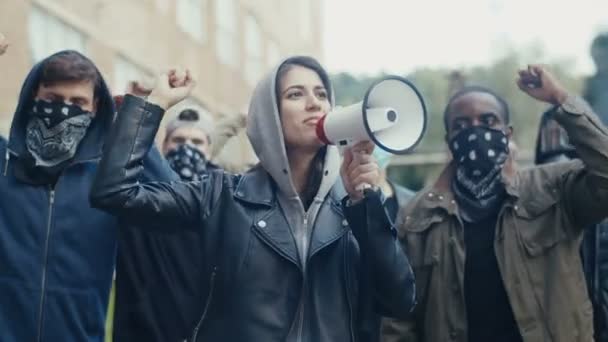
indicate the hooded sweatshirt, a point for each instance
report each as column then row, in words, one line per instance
column 56, row 252
column 266, row 135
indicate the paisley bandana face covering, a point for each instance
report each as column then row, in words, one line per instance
column 54, row 131
column 480, row 154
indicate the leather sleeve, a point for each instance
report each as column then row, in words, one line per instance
column 392, row 278
column 153, row 205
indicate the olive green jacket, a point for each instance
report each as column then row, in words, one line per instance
column 538, row 234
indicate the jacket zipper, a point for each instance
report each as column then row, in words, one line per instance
column 46, row 254
column 207, row 304
column 303, row 295
column 6, row 159
column 348, row 293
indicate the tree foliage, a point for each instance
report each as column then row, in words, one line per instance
column 436, row 88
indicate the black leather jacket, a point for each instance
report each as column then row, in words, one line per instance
column 254, row 287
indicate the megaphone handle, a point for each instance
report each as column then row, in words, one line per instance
column 362, row 187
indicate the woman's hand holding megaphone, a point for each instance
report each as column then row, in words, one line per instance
column 359, row 169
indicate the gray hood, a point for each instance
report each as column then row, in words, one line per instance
column 266, row 136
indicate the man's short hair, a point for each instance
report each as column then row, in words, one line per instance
column 506, row 115
column 69, row 66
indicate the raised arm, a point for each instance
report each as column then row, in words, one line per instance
column 584, row 189
column 116, row 188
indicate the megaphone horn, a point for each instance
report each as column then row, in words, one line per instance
column 392, row 115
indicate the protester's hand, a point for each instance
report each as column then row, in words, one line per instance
column 358, row 168
column 540, row 84
column 3, row 44
column 171, row 87
column 139, row 88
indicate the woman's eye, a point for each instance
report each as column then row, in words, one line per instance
column 322, row 95
column 294, row 95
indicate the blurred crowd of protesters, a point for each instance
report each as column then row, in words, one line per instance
column 498, row 253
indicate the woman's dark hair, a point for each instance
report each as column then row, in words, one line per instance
column 315, row 175
column 506, row 115
column 306, row 62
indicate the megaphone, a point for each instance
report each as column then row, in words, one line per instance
column 392, row 115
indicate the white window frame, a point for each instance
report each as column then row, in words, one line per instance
column 191, row 19
column 126, row 71
column 273, row 53
column 254, row 47
column 48, row 34
column 227, row 45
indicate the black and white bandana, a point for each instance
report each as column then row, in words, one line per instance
column 54, row 131
column 189, row 163
column 480, row 154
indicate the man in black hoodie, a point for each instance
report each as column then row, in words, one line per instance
column 57, row 253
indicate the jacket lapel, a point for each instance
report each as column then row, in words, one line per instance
column 330, row 224
column 256, row 188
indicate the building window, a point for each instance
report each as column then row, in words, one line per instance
column 273, row 55
column 305, row 19
column 254, row 64
column 162, row 5
column 191, row 19
column 227, row 32
column 48, row 34
column 125, row 72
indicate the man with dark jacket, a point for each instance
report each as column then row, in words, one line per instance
column 495, row 250
column 57, row 253
column 157, row 274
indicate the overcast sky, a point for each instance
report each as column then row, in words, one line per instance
column 368, row 36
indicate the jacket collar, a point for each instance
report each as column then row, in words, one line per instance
column 256, row 187
column 426, row 207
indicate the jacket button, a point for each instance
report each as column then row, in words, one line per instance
column 441, row 198
column 516, row 208
column 239, row 193
column 344, row 223
column 261, row 223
